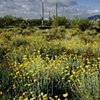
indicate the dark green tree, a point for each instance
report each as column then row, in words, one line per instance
column 1, row 23
column 74, row 22
column 18, row 21
column 61, row 21
column 34, row 22
column 96, row 25
column 8, row 20
column 84, row 24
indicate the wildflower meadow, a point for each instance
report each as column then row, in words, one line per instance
column 43, row 65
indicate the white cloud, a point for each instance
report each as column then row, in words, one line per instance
column 32, row 8
column 94, row 11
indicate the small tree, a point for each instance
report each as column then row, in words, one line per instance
column 60, row 21
column 96, row 25
column 74, row 23
column 8, row 20
column 84, row 24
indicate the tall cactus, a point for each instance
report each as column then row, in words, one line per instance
column 77, row 16
column 49, row 17
column 49, row 14
column 42, row 12
column 56, row 9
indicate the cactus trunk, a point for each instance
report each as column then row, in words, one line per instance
column 56, row 9
column 42, row 12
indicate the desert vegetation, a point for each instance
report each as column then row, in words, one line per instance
column 59, row 62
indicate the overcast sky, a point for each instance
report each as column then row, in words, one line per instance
column 32, row 8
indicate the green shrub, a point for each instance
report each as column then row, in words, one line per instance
column 60, row 21
column 84, row 24
column 33, row 68
column 85, row 84
column 19, row 40
column 92, row 32
column 26, row 32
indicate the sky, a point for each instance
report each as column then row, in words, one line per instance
column 32, row 8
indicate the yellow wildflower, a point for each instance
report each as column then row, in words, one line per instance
column 14, row 86
column 67, row 74
column 42, row 93
column 32, row 98
column 56, row 96
column 98, row 58
column 17, row 73
column 67, row 67
column 87, row 66
column 28, row 84
column 65, row 95
column 73, row 71
column 44, row 96
column 24, row 93
column 35, row 80
column 69, row 81
column 80, row 66
column 26, row 99
column 71, row 76
column 63, row 78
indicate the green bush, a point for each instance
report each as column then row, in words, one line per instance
column 84, row 24
column 60, row 21
column 33, row 68
column 92, row 32
column 96, row 25
column 19, row 40
column 74, row 23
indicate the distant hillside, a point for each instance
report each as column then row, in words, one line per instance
column 94, row 17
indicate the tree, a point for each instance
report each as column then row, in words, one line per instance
column 60, row 21
column 74, row 23
column 18, row 21
column 1, row 22
column 84, row 24
column 96, row 25
column 8, row 20
column 34, row 22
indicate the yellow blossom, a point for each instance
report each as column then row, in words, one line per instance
column 71, row 77
column 42, row 93
column 28, row 84
column 17, row 73
column 73, row 71
column 26, row 99
column 14, row 86
column 24, row 58
column 32, row 98
column 35, row 80
column 24, row 93
column 87, row 66
column 65, row 95
column 69, row 81
column 21, row 98
column 67, row 74
column 56, row 96
column 67, row 67
column 80, row 66
column 63, row 78
column 44, row 96
column 98, row 58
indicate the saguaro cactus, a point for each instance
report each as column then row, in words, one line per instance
column 42, row 12
column 49, row 14
column 56, row 9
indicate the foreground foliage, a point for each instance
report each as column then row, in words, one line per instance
column 55, row 64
